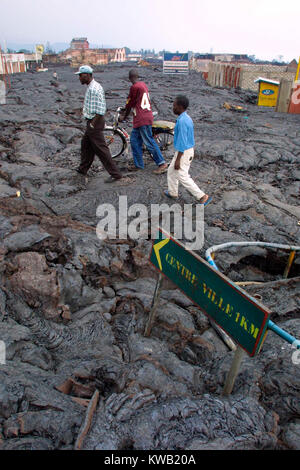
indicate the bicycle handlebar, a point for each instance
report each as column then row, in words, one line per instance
column 118, row 112
column 117, row 115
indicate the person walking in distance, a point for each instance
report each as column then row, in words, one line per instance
column 93, row 141
column 139, row 102
column 178, row 171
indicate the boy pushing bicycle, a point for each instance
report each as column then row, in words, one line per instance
column 139, row 101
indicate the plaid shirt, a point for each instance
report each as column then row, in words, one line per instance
column 94, row 101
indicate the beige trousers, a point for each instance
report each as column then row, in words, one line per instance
column 182, row 176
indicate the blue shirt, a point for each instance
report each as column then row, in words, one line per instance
column 184, row 133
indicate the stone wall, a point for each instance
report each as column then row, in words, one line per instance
column 200, row 65
column 273, row 72
column 12, row 63
column 243, row 75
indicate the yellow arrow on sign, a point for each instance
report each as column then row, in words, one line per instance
column 157, row 249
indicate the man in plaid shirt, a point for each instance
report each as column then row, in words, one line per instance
column 94, row 101
column 93, row 141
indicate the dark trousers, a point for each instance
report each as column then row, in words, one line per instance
column 93, row 143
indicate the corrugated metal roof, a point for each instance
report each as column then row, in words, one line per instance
column 267, row 80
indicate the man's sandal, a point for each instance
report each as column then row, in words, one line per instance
column 166, row 193
column 208, row 200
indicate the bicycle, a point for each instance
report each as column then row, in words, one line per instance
column 118, row 139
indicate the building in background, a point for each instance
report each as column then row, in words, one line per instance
column 223, row 57
column 50, row 59
column 33, row 61
column 80, row 44
column 134, row 57
column 200, row 62
column 292, row 67
column 118, row 55
column 115, row 55
column 12, row 63
column 79, row 53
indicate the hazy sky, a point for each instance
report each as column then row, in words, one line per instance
column 266, row 28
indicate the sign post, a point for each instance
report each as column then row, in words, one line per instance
column 234, row 370
column 298, row 71
column 238, row 314
column 154, row 305
column 2, row 92
column 2, row 353
column 39, row 50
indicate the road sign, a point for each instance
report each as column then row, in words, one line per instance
column 39, row 49
column 176, row 63
column 231, row 308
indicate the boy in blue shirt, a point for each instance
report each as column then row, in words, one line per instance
column 184, row 143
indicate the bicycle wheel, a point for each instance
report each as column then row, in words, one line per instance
column 115, row 140
column 165, row 140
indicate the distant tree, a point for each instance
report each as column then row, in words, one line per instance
column 278, row 60
column 164, row 52
column 24, row 51
column 252, row 58
column 48, row 49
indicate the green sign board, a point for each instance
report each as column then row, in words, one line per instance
column 231, row 308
